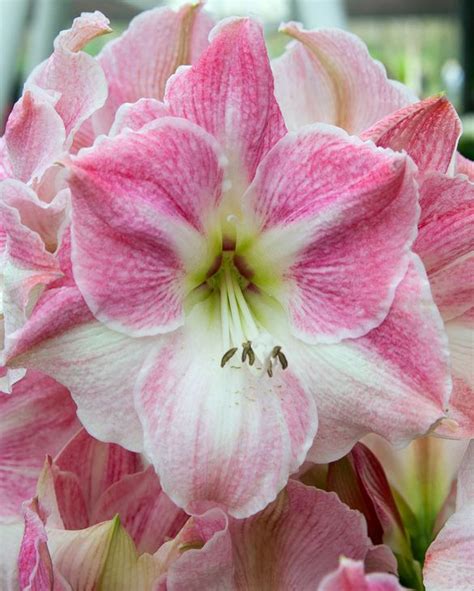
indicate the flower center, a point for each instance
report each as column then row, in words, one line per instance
column 244, row 338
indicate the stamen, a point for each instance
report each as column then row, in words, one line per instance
column 193, row 545
column 270, row 369
column 228, row 356
column 282, row 359
column 247, row 351
column 275, row 351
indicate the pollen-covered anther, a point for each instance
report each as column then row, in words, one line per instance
column 277, row 353
column 228, row 356
column 248, row 352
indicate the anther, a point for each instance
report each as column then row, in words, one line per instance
column 283, row 360
column 270, row 369
column 228, row 355
column 275, row 351
column 247, row 351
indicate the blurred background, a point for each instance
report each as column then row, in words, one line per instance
column 427, row 44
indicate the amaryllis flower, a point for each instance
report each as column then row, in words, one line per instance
column 292, row 544
column 448, row 562
column 34, row 201
column 445, row 240
column 235, row 278
column 327, row 75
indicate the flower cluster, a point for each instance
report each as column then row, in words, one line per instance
column 219, row 274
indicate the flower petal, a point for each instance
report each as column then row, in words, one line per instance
column 428, row 131
column 229, row 92
column 461, row 404
column 34, row 562
column 394, row 381
column 135, row 115
column 99, row 366
column 146, row 512
column 448, row 563
column 328, row 76
column 350, row 577
column 34, row 136
column 138, row 63
column 200, row 557
column 97, row 465
column 338, row 217
column 36, row 419
column 227, row 436
column 140, row 203
column 72, row 76
column 295, row 541
column 465, row 166
column 445, row 241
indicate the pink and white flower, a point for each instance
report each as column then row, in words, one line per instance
column 232, row 279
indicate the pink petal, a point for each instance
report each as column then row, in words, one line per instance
column 147, row 514
column 338, row 218
column 34, row 563
column 394, row 381
column 297, row 540
column 5, row 164
column 138, row 63
column 448, row 564
column 236, row 436
column 75, row 78
column 329, row 76
column 140, row 205
column 36, row 419
column 229, row 92
column 200, row 557
column 135, row 115
column 350, row 576
column 34, row 136
column 428, row 131
column 99, row 366
column 446, row 240
column 97, row 465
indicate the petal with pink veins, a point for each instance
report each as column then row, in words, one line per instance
column 34, row 136
column 73, row 77
column 148, row 515
column 445, row 241
column 36, row 419
column 297, row 540
column 141, row 202
column 428, row 131
column 171, row 38
column 394, row 381
column 350, row 576
column 228, row 436
column 135, row 115
column 34, row 561
column 338, row 218
column 200, row 557
column 229, row 92
column 448, row 563
column 98, row 365
column 328, row 76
